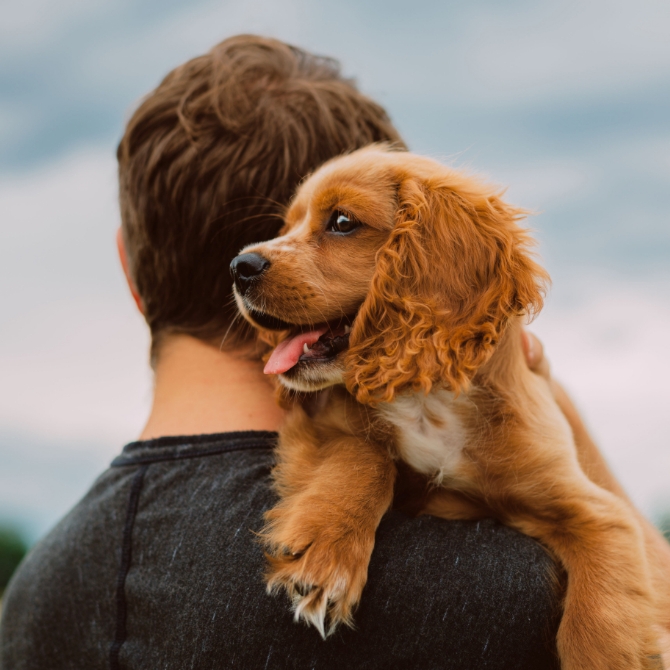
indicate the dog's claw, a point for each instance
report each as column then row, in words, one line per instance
column 312, row 609
column 324, row 583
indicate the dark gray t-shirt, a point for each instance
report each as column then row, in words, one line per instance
column 158, row 568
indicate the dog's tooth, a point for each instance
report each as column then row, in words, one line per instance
column 347, row 330
column 305, row 348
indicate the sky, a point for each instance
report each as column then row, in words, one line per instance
column 564, row 103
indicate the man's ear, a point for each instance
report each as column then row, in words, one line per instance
column 123, row 257
column 455, row 268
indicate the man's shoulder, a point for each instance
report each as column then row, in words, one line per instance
column 168, row 538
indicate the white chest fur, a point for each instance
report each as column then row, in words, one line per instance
column 431, row 435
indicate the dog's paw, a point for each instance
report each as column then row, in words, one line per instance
column 608, row 639
column 322, row 566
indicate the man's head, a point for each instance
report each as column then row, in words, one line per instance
column 208, row 163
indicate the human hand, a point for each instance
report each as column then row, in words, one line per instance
column 534, row 354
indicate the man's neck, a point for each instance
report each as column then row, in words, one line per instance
column 199, row 389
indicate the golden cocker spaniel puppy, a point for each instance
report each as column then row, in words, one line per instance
column 395, row 296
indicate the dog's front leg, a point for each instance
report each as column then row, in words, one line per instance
column 334, row 489
column 608, row 611
column 535, row 483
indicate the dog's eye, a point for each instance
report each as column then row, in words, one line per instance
column 341, row 223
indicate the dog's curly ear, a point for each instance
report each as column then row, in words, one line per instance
column 455, row 268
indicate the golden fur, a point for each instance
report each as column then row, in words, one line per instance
column 437, row 281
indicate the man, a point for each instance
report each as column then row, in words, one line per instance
column 158, row 567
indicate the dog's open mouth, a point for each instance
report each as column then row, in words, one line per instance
column 309, row 347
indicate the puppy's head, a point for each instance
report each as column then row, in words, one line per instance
column 392, row 272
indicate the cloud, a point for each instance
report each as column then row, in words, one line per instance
column 74, row 351
column 29, row 25
column 76, row 68
column 569, row 48
column 605, row 340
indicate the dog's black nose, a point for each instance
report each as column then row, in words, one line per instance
column 245, row 268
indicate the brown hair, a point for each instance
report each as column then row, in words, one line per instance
column 210, row 159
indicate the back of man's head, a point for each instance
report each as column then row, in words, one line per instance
column 210, row 159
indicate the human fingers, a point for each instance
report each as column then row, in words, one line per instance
column 534, row 354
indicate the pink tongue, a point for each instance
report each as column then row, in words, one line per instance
column 287, row 353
